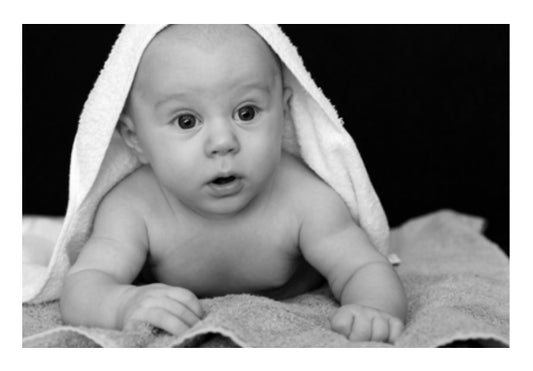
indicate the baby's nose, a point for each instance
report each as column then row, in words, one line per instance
column 222, row 140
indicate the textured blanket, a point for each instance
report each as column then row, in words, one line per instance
column 457, row 283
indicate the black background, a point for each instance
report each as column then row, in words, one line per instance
column 428, row 106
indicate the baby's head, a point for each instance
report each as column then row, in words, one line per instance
column 207, row 112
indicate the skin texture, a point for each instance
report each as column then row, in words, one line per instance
column 217, row 206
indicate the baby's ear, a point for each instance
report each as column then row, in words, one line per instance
column 287, row 96
column 127, row 130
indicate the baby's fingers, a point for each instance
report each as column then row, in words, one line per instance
column 160, row 318
column 342, row 322
column 180, row 310
column 361, row 329
column 355, row 326
column 380, row 329
column 395, row 329
column 186, row 298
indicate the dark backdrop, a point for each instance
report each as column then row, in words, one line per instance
column 428, row 106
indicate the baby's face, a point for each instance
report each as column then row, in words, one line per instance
column 209, row 117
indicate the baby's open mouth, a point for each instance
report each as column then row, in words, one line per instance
column 226, row 185
column 223, row 180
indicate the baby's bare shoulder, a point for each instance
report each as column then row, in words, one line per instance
column 306, row 187
column 133, row 193
column 121, row 214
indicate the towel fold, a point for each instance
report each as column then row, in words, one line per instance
column 457, row 284
column 100, row 159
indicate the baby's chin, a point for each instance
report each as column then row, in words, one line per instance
column 223, row 207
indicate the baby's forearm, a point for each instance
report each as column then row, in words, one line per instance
column 378, row 286
column 91, row 298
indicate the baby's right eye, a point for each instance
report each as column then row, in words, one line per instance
column 185, row 121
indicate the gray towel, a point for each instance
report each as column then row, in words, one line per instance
column 457, row 283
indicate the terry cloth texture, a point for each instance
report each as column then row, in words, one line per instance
column 457, row 284
column 99, row 158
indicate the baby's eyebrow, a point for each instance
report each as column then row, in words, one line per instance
column 264, row 88
column 171, row 97
column 255, row 86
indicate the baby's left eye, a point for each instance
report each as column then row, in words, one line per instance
column 246, row 113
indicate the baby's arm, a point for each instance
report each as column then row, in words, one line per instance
column 97, row 290
column 373, row 302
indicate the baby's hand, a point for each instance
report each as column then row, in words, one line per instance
column 360, row 323
column 172, row 309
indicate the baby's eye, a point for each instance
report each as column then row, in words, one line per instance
column 246, row 113
column 185, row 121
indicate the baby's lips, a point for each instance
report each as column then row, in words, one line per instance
column 224, row 180
column 224, row 177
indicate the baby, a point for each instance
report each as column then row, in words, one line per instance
column 217, row 206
